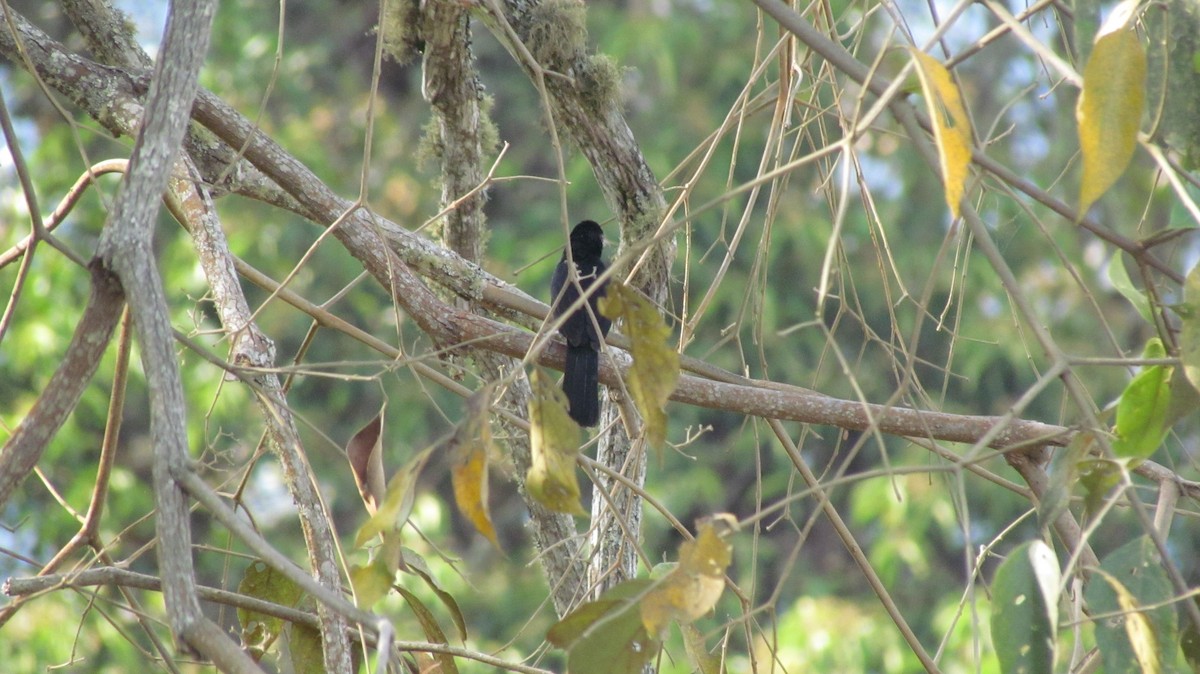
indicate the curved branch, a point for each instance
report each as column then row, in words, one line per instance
column 66, row 386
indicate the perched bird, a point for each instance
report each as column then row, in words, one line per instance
column 581, row 377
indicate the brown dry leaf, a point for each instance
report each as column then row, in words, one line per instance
column 472, row 443
column 951, row 126
column 554, row 443
column 655, row 368
column 365, row 453
column 694, row 586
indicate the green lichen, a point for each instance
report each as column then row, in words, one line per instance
column 489, row 135
column 558, row 34
column 430, row 149
column 599, row 82
column 398, row 25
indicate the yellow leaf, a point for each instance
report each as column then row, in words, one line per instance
column 951, row 126
column 471, row 490
column 694, row 586
column 469, row 473
column 397, row 502
column 655, row 368
column 1110, row 111
column 554, row 444
column 1138, row 629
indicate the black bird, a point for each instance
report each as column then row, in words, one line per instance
column 581, row 377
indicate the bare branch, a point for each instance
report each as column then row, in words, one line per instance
column 92, row 335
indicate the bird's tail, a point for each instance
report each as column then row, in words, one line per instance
column 581, row 383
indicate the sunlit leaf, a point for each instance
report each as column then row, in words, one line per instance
column 431, row 628
column 371, row 582
column 1025, row 609
column 554, row 444
column 951, row 126
column 1110, row 110
column 607, row 636
column 365, row 453
column 397, row 502
column 1118, row 275
column 694, row 586
column 1142, row 410
column 264, row 582
column 472, row 444
column 655, row 369
column 1138, row 628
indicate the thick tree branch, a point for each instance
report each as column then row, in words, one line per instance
column 250, row 346
column 769, row 399
column 124, row 250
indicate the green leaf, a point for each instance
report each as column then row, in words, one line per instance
column 1025, row 609
column 371, row 582
column 1185, row 400
column 264, row 582
column 1174, row 74
column 606, row 636
column 697, row 652
column 1063, row 475
column 432, row 630
column 655, row 369
column 1110, row 110
column 1118, row 276
column 1189, row 331
column 1098, row 476
column 1189, row 643
column 553, row 444
column 415, row 563
column 306, row 650
column 1130, row 637
column 397, row 502
column 1142, row 410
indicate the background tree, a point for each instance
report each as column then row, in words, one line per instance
column 363, row 211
